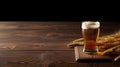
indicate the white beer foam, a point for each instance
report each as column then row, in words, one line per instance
column 90, row 24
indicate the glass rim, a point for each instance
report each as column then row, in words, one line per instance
column 89, row 24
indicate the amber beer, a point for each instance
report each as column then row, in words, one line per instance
column 90, row 32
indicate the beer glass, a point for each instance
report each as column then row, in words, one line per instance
column 90, row 32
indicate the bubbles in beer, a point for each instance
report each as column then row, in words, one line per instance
column 90, row 24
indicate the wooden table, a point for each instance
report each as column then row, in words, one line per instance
column 43, row 44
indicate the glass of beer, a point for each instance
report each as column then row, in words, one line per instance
column 90, row 32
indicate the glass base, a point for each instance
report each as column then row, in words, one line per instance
column 91, row 52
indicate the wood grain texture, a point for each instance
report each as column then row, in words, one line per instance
column 44, row 44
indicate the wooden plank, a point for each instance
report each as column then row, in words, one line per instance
column 106, row 64
column 39, row 25
column 39, row 34
column 48, row 58
column 71, row 64
column 34, row 46
column 22, row 65
column 47, row 65
column 32, row 57
column 82, row 57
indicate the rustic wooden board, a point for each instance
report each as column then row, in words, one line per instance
column 82, row 57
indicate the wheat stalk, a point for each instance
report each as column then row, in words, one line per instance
column 104, row 42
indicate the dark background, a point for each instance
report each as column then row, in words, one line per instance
column 80, row 11
column 60, row 18
column 60, row 15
